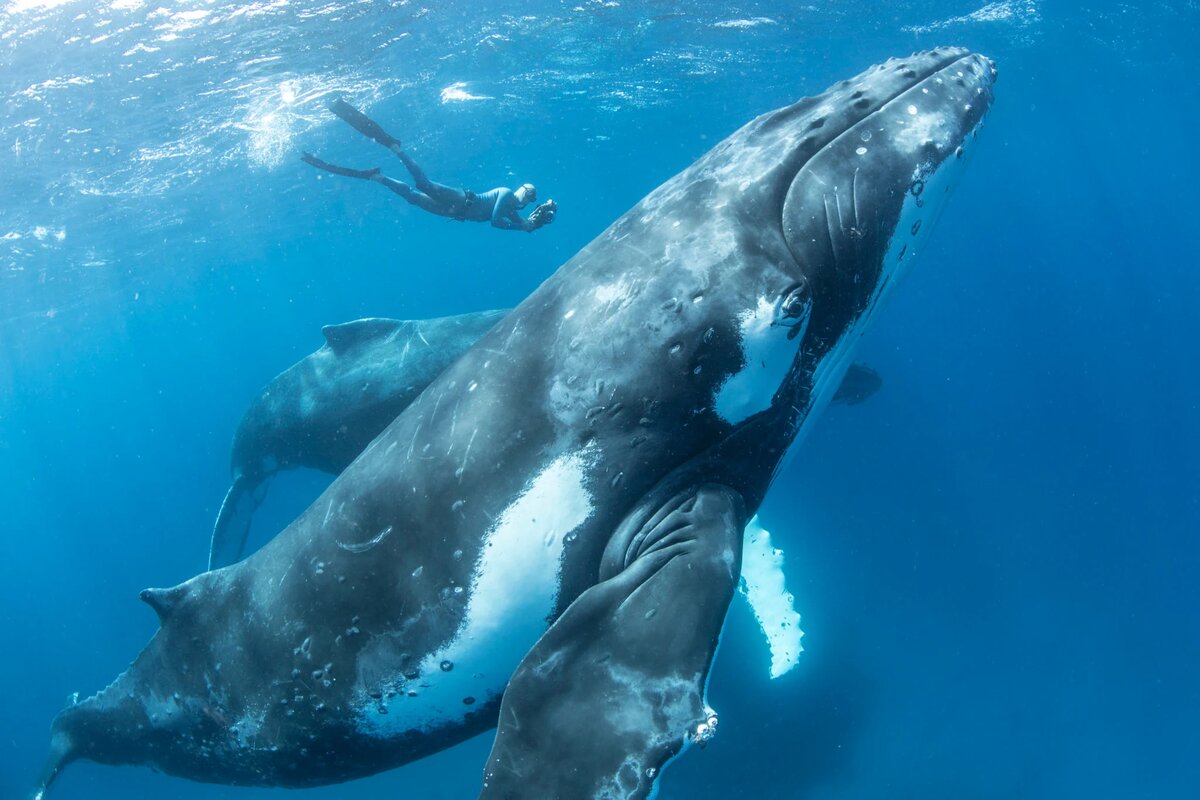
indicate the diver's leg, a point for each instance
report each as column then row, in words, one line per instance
column 363, row 124
column 365, row 174
column 410, row 194
column 446, row 195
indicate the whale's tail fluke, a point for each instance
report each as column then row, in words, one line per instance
column 233, row 520
column 62, row 752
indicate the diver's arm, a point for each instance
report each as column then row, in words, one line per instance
column 512, row 222
column 505, row 215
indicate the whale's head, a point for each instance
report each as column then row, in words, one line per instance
column 748, row 277
column 827, row 202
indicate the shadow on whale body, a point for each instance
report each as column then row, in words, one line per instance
column 547, row 539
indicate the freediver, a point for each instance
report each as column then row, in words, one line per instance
column 500, row 206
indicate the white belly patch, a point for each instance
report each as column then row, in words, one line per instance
column 513, row 592
column 767, row 355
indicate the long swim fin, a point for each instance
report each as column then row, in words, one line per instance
column 365, row 174
column 363, row 124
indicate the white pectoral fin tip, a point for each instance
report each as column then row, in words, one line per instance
column 765, row 590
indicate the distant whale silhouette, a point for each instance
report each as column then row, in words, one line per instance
column 547, row 539
column 325, row 409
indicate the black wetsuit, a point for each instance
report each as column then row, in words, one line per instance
column 499, row 205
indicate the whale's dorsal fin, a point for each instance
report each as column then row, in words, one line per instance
column 163, row 601
column 347, row 334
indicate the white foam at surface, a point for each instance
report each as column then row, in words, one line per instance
column 18, row 6
column 752, row 22
column 457, row 92
column 763, row 586
column 1020, row 12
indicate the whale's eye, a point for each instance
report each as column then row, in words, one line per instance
column 796, row 302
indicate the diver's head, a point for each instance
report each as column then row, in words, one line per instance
column 526, row 194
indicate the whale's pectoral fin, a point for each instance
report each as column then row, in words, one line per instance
column 764, row 586
column 859, row 383
column 232, row 527
column 616, row 686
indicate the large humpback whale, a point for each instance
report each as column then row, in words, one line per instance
column 326, row 408
column 547, row 539
column 322, row 411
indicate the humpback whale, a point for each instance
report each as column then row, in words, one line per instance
column 547, row 539
column 325, row 409
column 322, row 411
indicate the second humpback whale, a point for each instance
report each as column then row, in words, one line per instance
column 326, row 408
column 548, row 538
column 322, row 411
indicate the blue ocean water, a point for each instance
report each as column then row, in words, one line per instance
column 994, row 556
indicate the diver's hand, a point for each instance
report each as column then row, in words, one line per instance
column 543, row 214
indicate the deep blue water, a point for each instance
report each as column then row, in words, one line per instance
column 995, row 556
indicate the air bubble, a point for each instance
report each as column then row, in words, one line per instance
column 416, row 573
column 912, row 111
column 865, row 136
column 862, row 151
column 446, row 666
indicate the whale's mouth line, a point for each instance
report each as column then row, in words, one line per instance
column 851, row 127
